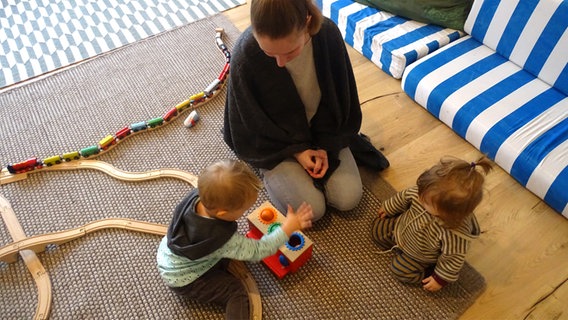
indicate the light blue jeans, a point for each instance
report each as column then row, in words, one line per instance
column 289, row 183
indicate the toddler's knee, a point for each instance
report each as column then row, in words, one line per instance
column 413, row 276
column 379, row 235
column 237, row 306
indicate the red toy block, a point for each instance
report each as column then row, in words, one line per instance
column 291, row 256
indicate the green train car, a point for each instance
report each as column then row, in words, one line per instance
column 152, row 123
column 89, row 151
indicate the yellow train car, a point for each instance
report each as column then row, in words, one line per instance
column 51, row 160
column 75, row 155
column 106, row 142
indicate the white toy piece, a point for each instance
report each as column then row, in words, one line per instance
column 191, row 119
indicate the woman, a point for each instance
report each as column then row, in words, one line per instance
column 292, row 107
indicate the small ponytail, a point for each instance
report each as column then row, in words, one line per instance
column 454, row 187
column 484, row 163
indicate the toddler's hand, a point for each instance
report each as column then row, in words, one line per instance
column 304, row 215
column 299, row 220
column 431, row 284
column 382, row 213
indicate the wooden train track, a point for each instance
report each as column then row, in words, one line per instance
column 110, row 141
column 6, row 177
column 27, row 247
column 40, row 275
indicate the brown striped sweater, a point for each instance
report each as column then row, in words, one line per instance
column 423, row 237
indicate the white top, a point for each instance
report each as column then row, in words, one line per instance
column 303, row 72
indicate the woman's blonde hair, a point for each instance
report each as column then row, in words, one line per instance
column 277, row 19
column 454, row 187
column 227, row 185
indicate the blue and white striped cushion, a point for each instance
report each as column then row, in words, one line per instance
column 531, row 33
column 391, row 42
column 515, row 118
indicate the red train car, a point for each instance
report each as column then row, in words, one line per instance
column 25, row 166
column 170, row 114
column 122, row 133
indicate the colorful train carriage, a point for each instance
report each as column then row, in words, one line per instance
column 25, row 166
column 107, row 142
column 152, row 123
column 53, row 160
column 183, row 105
column 122, row 133
column 89, row 151
column 197, row 98
column 172, row 113
column 138, row 126
column 225, row 73
column 74, row 155
column 212, row 87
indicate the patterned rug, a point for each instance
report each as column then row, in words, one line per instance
column 112, row 274
column 41, row 36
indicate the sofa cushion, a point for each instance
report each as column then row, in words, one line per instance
column 446, row 13
column 531, row 33
column 503, row 110
column 391, row 42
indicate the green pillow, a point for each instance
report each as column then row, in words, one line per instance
column 446, row 13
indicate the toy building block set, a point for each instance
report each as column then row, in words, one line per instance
column 291, row 256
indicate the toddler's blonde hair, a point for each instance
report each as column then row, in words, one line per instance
column 227, row 185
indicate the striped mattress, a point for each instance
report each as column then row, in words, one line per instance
column 391, row 42
column 504, row 89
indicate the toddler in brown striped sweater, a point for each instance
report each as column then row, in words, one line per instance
column 429, row 227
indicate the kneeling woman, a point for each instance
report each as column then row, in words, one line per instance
column 292, row 106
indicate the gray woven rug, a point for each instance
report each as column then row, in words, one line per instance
column 112, row 274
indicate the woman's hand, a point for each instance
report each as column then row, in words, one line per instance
column 313, row 161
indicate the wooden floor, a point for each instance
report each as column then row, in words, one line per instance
column 523, row 249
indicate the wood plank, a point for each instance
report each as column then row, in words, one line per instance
column 239, row 16
column 552, row 306
column 390, row 122
column 523, row 250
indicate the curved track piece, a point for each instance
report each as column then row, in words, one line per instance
column 41, row 277
column 239, row 269
column 125, row 175
column 28, row 246
column 9, row 253
column 6, row 177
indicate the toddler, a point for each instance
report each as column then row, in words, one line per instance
column 430, row 226
column 202, row 237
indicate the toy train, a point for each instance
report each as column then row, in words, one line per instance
column 111, row 140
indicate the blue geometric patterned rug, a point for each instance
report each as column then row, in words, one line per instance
column 40, row 36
